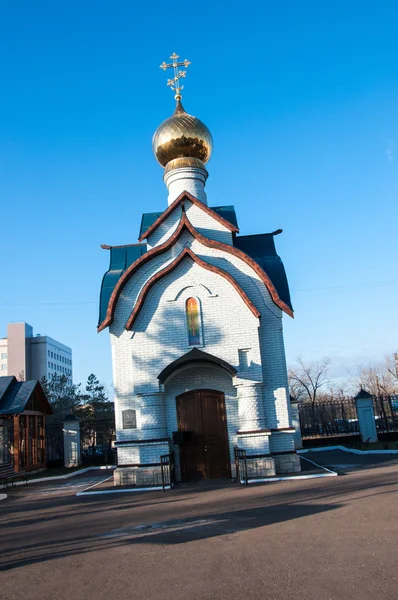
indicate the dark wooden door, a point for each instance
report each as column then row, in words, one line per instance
column 207, row 457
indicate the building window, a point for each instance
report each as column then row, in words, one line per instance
column 4, row 356
column 4, row 367
column 49, row 364
column 192, row 310
column 244, row 359
column 129, row 418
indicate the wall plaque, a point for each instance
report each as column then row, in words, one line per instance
column 129, row 419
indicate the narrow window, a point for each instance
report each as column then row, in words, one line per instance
column 193, row 322
column 244, row 359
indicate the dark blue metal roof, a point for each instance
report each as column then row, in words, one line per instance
column 121, row 257
column 147, row 220
column 14, row 395
column 261, row 248
column 228, row 213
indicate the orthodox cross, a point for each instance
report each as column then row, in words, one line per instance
column 173, row 83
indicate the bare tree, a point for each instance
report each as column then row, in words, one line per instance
column 379, row 378
column 307, row 379
column 392, row 366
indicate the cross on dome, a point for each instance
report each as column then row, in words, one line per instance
column 173, row 83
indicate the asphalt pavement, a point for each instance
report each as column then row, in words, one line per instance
column 318, row 539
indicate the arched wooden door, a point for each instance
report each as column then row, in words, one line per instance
column 207, row 456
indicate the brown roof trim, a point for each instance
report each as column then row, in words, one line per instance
column 170, row 267
column 183, row 225
column 177, row 202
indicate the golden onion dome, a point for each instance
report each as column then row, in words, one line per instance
column 182, row 136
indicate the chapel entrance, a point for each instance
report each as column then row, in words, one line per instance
column 206, row 455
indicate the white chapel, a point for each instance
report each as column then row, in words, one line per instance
column 194, row 312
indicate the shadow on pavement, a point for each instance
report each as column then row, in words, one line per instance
column 177, row 531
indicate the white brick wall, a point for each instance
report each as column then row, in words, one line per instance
column 256, row 398
column 204, row 223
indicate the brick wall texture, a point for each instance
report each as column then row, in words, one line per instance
column 257, row 398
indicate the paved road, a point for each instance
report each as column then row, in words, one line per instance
column 344, row 462
column 322, row 539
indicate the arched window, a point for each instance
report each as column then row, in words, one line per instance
column 192, row 309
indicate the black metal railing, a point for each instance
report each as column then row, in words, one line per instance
column 167, row 467
column 335, row 418
column 386, row 413
column 330, row 418
column 241, row 466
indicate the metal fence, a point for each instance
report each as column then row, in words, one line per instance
column 386, row 413
column 336, row 418
column 331, row 418
column 97, row 437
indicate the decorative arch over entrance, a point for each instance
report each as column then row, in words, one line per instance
column 195, row 355
column 205, row 455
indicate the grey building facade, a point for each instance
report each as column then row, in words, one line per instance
column 28, row 356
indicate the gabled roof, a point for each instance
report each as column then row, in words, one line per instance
column 216, row 214
column 195, row 355
column 156, row 250
column 15, row 395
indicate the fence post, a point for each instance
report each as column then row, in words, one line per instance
column 294, row 411
column 366, row 416
column 71, row 432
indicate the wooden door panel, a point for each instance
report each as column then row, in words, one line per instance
column 203, row 412
column 216, row 435
column 193, row 462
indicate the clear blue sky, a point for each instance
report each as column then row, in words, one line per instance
column 301, row 98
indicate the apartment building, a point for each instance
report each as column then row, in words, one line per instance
column 29, row 356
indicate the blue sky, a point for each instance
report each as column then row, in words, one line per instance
column 301, row 98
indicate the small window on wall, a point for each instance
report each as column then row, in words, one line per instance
column 192, row 310
column 244, row 359
column 129, row 418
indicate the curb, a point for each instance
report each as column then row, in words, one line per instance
column 351, row 450
column 60, row 477
column 129, row 490
column 329, row 473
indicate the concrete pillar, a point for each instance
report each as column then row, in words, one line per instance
column 366, row 416
column 251, row 407
column 294, row 411
column 71, row 441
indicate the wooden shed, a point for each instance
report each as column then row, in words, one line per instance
column 23, row 408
